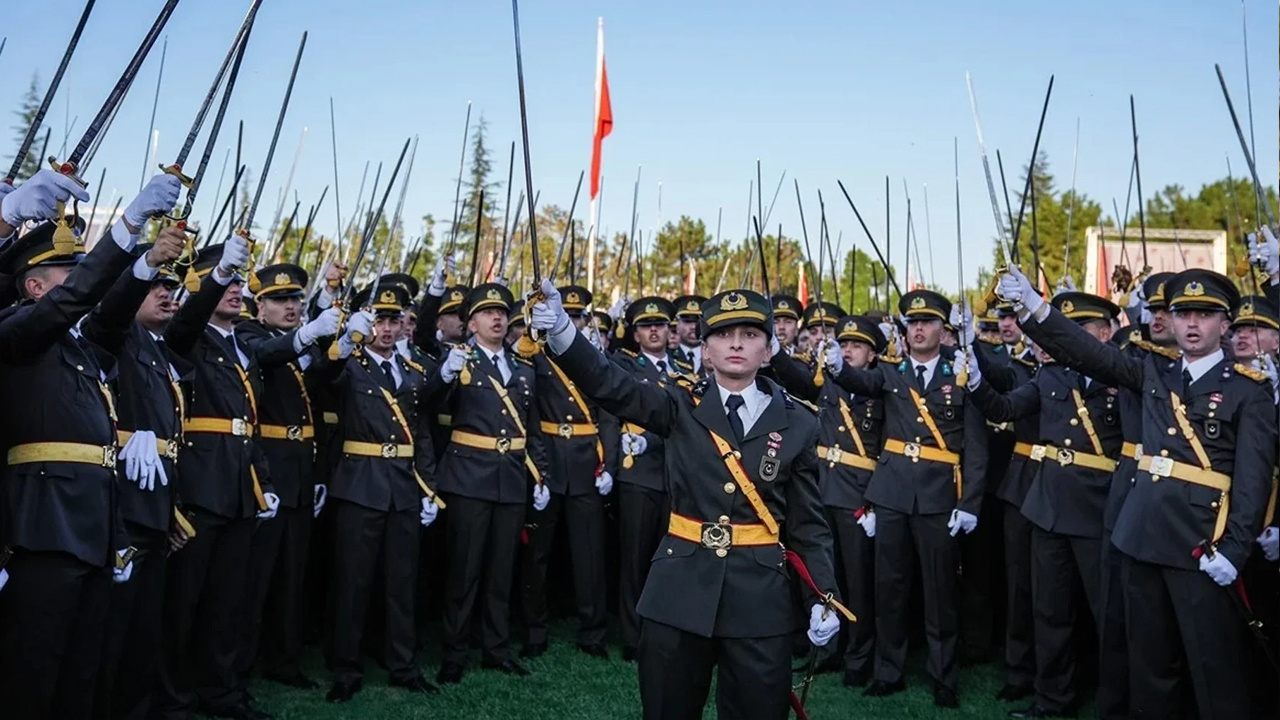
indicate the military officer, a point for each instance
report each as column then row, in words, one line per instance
column 687, row 331
column 604, row 325
column 1198, row 496
column 62, row 533
column 741, row 451
column 849, row 439
column 380, row 489
column 1255, row 330
column 927, row 489
column 1076, row 454
column 820, row 323
column 786, row 320
column 496, row 439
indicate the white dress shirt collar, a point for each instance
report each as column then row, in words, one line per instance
column 1198, row 368
column 754, row 401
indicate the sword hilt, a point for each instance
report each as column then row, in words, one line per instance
column 251, row 278
column 176, row 171
column 529, row 343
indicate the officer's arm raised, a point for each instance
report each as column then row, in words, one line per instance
column 613, row 388
column 1070, row 345
column 795, row 376
column 1004, row 407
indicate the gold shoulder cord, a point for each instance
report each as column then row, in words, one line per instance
column 927, row 417
column 1086, row 421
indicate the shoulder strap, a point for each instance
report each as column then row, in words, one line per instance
column 853, row 428
column 733, row 462
column 927, row 417
column 1086, row 421
column 1188, row 432
column 515, row 417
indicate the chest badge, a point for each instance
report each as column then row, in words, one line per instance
column 769, row 468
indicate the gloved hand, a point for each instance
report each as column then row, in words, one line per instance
column 634, row 443
column 1265, row 251
column 321, row 495
column 142, row 460
column 4, row 574
column 158, row 196
column 962, row 320
column 122, row 575
column 235, row 255
column 1268, row 366
column 325, row 325
column 616, row 309
column 1270, row 542
column 542, row 496
column 604, row 483
column 360, row 322
column 549, row 315
column 962, row 521
column 38, row 197
column 429, row 512
column 1017, row 289
column 1066, row 284
column 868, row 522
column 823, row 625
column 775, row 347
column 443, row 270
column 1218, row 567
column 453, row 363
column 975, row 373
column 5, row 189
column 834, row 360
column 273, row 504
column 887, row 329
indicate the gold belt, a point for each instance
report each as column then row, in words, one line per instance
column 66, row 452
column 388, row 451
column 287, row 432
column 835, row 455
column 918, row 452
column 720, row 536
column 567, row 430
column 484, row 442
column 1131, row 450
column 1163, row 467
column 1066, row 457
column 166, row 448
column 219, row 426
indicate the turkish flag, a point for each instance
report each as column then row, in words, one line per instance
column 604, row 112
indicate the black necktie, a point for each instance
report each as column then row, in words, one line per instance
column 662, row 366
column 733, row 403
column 389, row 381
column 1186, row 382
column 920, row 369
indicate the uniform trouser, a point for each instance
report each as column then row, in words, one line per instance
column 1019, row 635
column 980, row 587
column 204, row 612
column 1113, row 656
column 643, row 515
column 1057, row 561
column 584, row 516
column 753, row 675
column 131, row 649
column 277, row 572
column 482, row 539
column 898, row 535
column 366, row 539
column 1180, row 621
column 855, row 561
column 52, row 613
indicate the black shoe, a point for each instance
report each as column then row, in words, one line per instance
column 594, row 650
column 856, row 678
column 1014, row 693
column 945, row 697
column 343, row 691
column 628, row 654
column 880, row 688
column 1035, row 711
column 533, row 650
column 510, row 667
column 415, row 684
column 296, row 680
column 450, row 673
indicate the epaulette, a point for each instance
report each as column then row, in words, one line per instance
column 1030, row 362
column 1151, row 347
column 803, row 403
column 522, row 359
column 698, row 387
column 1251, row 372
column 990, row 341
column 415, row 366
column 628, row 352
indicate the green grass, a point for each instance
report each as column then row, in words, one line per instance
column 569, row 685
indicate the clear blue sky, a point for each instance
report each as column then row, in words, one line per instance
column 826, row 90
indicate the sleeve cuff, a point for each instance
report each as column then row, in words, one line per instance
column 560, row 341
column 122, row 237
column 221, row 279
column 143, row 271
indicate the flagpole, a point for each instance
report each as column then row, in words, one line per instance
column 591, row 235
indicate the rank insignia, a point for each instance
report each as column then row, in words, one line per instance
column 1215, row 397
column 949, row 413
column 1212, row 429
column 771, row 452
column 769, row 469
column 947, row 389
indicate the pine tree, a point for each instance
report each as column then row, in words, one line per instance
column 26, row 113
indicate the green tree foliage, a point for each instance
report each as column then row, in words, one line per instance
column 26, row 112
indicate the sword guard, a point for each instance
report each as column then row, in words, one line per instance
column 176, row 171
column 68, row 169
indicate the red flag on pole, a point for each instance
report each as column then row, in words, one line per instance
column 802, row 289
column 691, row 280
column 604, row 111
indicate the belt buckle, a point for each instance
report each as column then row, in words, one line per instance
column 502, row 445
column 1066, row 457
column 171, row 449
column 109, row 457
column 834, row 454
column 1037, row 452
column 239, row 427
column 911, row 450
column 389, row 451
column 293, row 432
column 1137, row 452
column 718, row 537
column 565, row 430
column 1162, row 466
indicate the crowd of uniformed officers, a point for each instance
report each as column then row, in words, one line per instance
column 200, row 477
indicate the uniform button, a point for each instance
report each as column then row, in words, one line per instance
column 841, row 428
column 724, row 519
column 80, row 368
column 1067, row 442
column 568, row 417
column 1164, row 453
column 670, row 552
column 729, row 488
column 1211, row 413
column 1173, row 431
column 1075, row 421
column 1214, row 504
column 504, row 412
column 721, row 552
column 919, row 419
column 503, row 431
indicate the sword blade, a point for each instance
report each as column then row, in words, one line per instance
column 232, row 53
column 271, row 149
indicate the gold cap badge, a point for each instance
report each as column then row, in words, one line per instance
column 1193, row 289
column 387, row 297
column 732, row 301
column 917, row 303
column 1068, row 307
column 283, row 279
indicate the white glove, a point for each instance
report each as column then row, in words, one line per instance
column 541, row 496
column 38, row 197
column 444, row 268
column 325, row 325
column 834, row 359
column 122, row 575
column 321, row 495
column 1263, row 251
column 360, row 322
column 429, row 512
column 4, row 574
column 868, row 523
column 975, row 373
column 1017, row 289
column 158, row 196
column 615, row 310
column 453, row 363
column 962, row 521
column 1218, row 567
column 887, row 329
column 235, row 254
column 5, row 189
column 1269, row 540
column 1067, row 284
column 775, row 347
column 1137, row 298
column 549, row 315
column 142, row 460
column 604, row 483
column 1268, row 366
column 273, row 504
column 962, row 320
column 634, row 443
column 822, row 629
